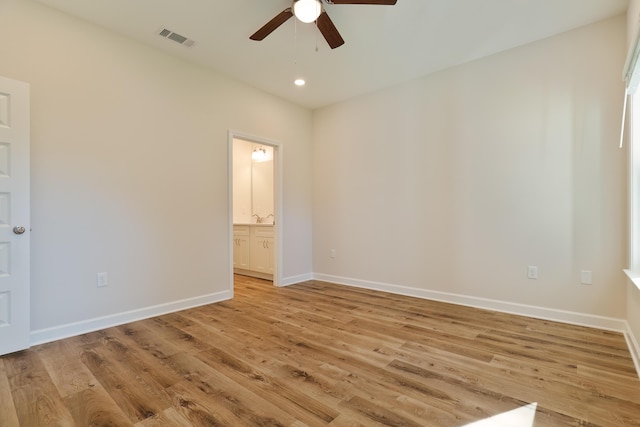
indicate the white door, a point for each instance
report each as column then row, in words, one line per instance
column 14, row 216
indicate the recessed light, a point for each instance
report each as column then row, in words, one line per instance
column 299, row 82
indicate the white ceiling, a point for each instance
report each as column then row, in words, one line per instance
column 384, row 45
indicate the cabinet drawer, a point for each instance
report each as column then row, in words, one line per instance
column 263, row 231
column 241, row 230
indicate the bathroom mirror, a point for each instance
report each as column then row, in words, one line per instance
column 262, row 188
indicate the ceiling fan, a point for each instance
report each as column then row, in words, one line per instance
column 312, row 10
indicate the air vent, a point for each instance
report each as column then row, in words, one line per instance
column 180, row 39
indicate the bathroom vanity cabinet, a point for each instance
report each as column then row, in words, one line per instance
column 253, row 246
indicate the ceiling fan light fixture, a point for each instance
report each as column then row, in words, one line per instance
column 307, row 10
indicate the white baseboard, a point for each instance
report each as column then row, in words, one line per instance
column 582, row 319
column 292, row 280
column 42, row 336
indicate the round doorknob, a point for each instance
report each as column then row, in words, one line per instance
column 18, row 230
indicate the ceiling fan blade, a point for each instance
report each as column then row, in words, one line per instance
column 270, row 26
column 329, row 31
column 380, row 2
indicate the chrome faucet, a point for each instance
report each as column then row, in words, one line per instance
column 260, row 219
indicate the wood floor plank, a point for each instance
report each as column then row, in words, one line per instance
column 303, row 406
column 609, row 361
column 62, row 362
column 593, row 384
column 163, row 328
column 36, row 399
column 167, row 418
column 252, row 372
column 135, row 399
column 195, row 401
column 226, row 396
column 8, row 415
column 260, row 360
column 95, row 407
column 553, row 395
column 147, row 341
column 318, row 354
column 71, row 377
column 140, row 361
column 349, row 420
column 362, row 375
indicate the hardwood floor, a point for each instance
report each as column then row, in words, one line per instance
column 321, row 354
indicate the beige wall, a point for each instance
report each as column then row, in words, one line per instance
column 633, row 21
column 129, row 168
column 458, row 181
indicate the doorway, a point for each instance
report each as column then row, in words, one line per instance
column 255, row 207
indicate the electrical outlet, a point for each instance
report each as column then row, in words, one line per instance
column 532, row 272
column 101, row 279
column 332, row 253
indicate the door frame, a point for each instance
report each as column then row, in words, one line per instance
column 277, row 201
